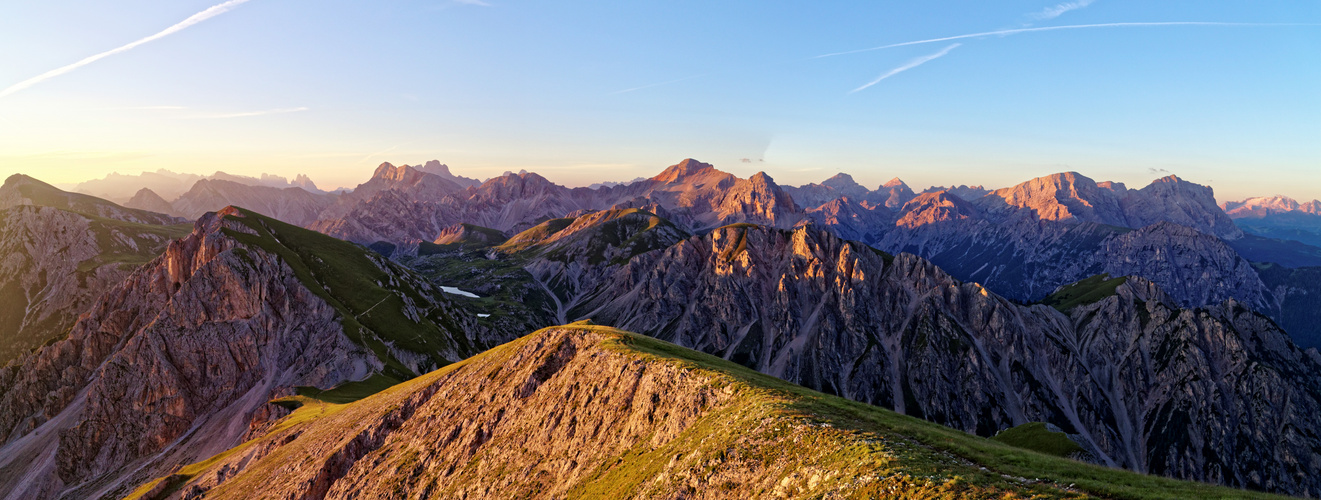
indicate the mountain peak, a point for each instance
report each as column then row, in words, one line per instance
column 685, row 170
column 895, row 182
column 402, row 173
column 437, row 168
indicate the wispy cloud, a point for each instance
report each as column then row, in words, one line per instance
column 1054, row 28
column 383, row 151
column 479, row 3
column 909, row 65
column 194, row 19
column 1054, row 12
column 146, row 108
column 245, row 114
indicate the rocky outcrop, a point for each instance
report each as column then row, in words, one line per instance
column 293, row 205
column 1130, row 375
column 172, row 364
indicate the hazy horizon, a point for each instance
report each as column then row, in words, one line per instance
column 935, row 94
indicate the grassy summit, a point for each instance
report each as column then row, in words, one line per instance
column 577, row 412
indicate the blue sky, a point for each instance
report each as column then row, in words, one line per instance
column 603, row 90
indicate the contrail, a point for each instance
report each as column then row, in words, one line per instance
column 194, row 19
column 1054, row 28
column 245, row 114
column 999, row 32
column 907, row 66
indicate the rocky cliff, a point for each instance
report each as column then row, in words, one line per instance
column 589, row 412
column 178, row 361
column 1128, row 374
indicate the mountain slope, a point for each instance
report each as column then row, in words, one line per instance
column 54, row 261
column 293, row 204
column 842, row 318
column 584, row 411
column 178, row 361
column 20, row 189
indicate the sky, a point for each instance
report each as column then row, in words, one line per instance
column 1223, row 93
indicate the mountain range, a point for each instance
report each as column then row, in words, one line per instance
column 364, row 353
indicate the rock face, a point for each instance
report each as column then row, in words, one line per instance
column 293, row 205
column 1130, row 376
column 1072, row 197
column 1025, row 241
column 589, row 412
column 54, row 263
column 177, row 362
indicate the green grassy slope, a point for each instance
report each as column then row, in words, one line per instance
column 371, row 300
column 772, row 422
column 1084, row 292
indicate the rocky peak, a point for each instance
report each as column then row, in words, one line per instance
column 305, row 182
column 893, row 194
column 842, row 182
column 402, row 174
column 688, row 171
column 437, row 168
column 1176, row 200
column 1066, row 196
column 940, row 206
column 1262, row 206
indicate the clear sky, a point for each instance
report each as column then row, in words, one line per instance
column 584, row 91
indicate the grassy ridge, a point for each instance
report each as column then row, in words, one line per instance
column 352, row 280
column 772, row 422
column 1088, row 291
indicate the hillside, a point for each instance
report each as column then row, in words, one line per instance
column 59, row 251
column 900, row 333
column 587, row 411
column 176, row 362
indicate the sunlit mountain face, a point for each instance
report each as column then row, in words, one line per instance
column 501, row 249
